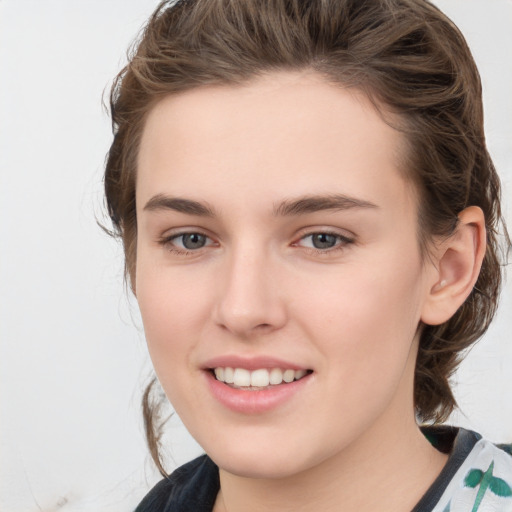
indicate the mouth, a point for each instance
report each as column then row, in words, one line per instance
column 256, row 385
column 259, row 379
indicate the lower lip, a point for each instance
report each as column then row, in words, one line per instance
column 254, row 402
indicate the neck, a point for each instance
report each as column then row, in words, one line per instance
column 388, row 474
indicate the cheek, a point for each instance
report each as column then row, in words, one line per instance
column 173, row 314
column 174, row 308
column 366, row 314
column 367, row 339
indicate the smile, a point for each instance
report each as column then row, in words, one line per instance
column 241, row 378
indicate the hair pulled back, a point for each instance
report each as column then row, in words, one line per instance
column 404, row 54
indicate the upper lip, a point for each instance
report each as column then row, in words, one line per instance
column 250, row 363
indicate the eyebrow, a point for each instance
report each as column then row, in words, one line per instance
column 290, row 207
column 311, row 204
column 178, row 204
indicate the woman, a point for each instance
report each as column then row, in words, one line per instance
column 309, row 216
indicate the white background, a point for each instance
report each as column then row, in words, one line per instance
column 72, row 353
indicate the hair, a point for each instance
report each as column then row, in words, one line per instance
column 405, row 55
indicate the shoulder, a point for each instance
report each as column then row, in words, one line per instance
column 192, row 487
column 481, row 476
column 507, row 448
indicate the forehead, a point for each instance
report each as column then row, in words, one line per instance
column 286, row 133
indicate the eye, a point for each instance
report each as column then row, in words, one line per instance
column 183, row 243
column 324, row 241
column 191, row 241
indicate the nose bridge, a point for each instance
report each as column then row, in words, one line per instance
column 248, row 298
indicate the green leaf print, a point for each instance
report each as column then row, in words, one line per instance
column 476, row 477
column 473, row 478
column 500, row 488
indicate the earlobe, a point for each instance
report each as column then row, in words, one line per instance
column 458, row 263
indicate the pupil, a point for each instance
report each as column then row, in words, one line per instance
column 324, row 241
column 193, row 241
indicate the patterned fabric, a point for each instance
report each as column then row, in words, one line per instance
column 482, row 482
column 476, row 478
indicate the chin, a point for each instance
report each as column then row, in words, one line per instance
column 270, row 463
column 259, row 469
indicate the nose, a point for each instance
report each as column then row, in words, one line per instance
column 250, row 300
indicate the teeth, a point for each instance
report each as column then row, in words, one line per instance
column 288, row 375
column 242, row 377
column 261, row 378
column 229, row 375
column 276, row 376
column 299, row 374
column 219, row 373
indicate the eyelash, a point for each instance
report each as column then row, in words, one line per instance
column 342, row 242
column 167, row 242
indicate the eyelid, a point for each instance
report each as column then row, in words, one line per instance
column 166, row 240
column 344, row 239
column 315, row 230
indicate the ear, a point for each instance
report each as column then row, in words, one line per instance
column 457, row 263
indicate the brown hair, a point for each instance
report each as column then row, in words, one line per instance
column 404, row 54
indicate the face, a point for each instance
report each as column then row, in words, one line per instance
column 278, row 271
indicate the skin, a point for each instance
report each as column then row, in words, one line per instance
column 349, row 313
